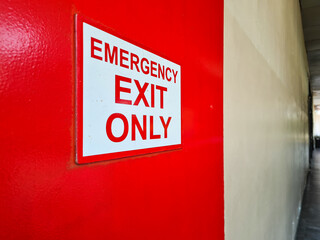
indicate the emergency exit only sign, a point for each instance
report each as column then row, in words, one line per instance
column 128, row 98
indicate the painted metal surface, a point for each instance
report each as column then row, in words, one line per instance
column 44, row 194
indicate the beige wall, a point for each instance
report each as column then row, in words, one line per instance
column 265, row 118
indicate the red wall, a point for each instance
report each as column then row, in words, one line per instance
column 44, row 194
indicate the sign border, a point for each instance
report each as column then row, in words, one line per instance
column 80, row 159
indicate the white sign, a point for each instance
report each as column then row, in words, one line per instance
column 128, row 98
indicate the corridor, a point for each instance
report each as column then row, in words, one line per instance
column 309, row 224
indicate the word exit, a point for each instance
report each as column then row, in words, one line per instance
column 141, row 89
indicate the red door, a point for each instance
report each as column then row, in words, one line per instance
column 176, row 194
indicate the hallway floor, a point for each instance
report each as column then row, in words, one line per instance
column 309, row 225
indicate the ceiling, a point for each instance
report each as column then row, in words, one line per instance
column 310, row 10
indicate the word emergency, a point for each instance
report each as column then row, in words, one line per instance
column 129, row 60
